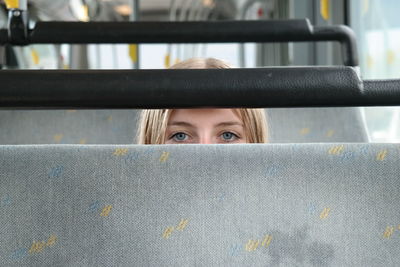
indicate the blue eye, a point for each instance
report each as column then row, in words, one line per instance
column 179, row 136
column 228, row 136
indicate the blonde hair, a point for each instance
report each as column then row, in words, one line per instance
column 153, row 122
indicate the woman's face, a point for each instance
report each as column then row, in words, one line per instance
column 204, row 126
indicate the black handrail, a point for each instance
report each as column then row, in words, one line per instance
column 257, row 88
column 188, row 32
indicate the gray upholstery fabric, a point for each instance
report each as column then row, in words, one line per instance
column 200, row 205
column 119, row 126
column 303, row 125
column 68, row 126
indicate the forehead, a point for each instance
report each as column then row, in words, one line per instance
column 204, row 115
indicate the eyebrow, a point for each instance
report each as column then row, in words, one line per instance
column 229, row 123
column 183, row 123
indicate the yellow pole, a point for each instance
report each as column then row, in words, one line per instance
column 325, row 12
column 133, row 53
column 12, row 4
column 167, row 61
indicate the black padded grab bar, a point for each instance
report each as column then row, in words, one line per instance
column 189, row 32
column 259, row 87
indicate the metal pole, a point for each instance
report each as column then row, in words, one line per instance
column 242, row 16
column 135, row 16
column 187, row 32
column 2, row 56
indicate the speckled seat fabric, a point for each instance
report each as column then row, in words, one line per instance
column 314, row 125
column 200, row 205
column 301, row 125
column 68, row 126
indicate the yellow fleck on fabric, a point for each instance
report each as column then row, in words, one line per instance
column 336, row 150
column 37, row 247
column 388, row 232
column 164, row 156
column 330, row 133
column 267, row 241
column 168, row 232
column 324, row 214
column 120, row 151
column 305, row 131
column 252, row 245
column 182, row 224
column 52, row 240
column 381, row 155
column 106, row 211
column 58, row 137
